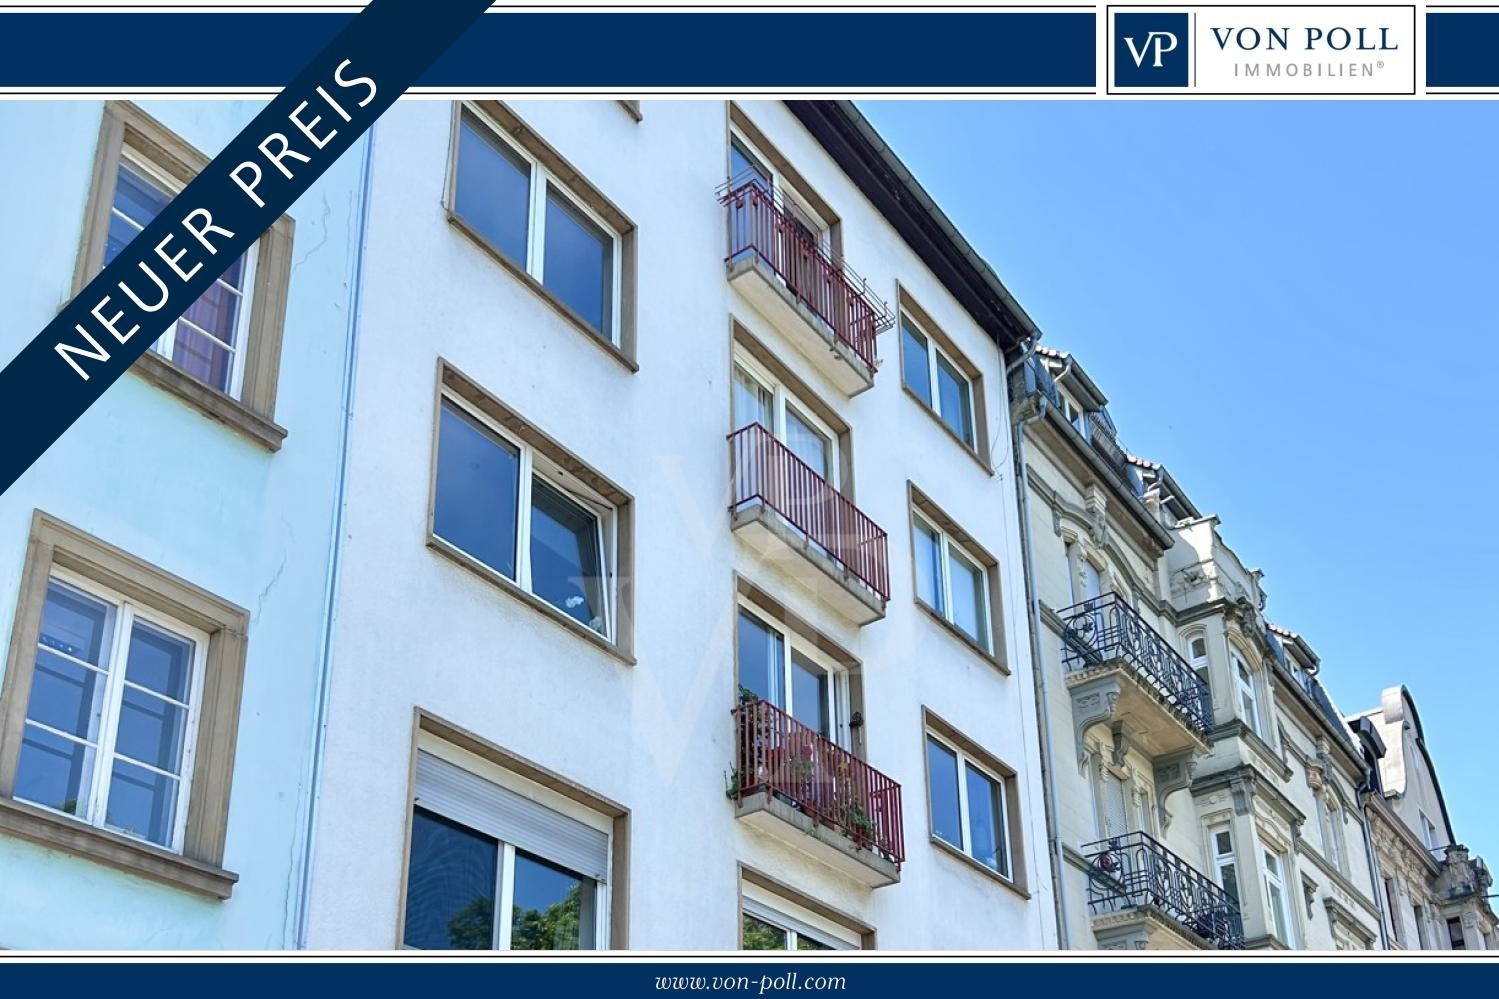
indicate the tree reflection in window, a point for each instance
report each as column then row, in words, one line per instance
column 553, row 907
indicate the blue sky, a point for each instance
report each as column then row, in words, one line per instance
column 1293, row 307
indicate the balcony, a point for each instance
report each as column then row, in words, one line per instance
column 1100, row 433
column 795, row 519
column 779, row 265
column 1143, row 896
column 793, row 783
column 1121, row 671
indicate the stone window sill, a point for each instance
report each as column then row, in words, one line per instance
column 210, row 401
column 57, row 832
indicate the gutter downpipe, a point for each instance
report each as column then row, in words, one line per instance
column 1038, row 669
column 300, row 927
column 1381, row 904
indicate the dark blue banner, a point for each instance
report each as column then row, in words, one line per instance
column 871, row 976
column 216, row 218
column 1462, row 49
column 857, row 50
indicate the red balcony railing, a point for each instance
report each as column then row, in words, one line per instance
column 779, row 755
column 765, row 470
column 759, row 224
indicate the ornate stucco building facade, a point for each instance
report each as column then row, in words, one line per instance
column 1435, row 891
column 1202, row 790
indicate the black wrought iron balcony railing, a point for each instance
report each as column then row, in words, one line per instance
column 1101, row 435
column 1134, row 870
column 1107, row 629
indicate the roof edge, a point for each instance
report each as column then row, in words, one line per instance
column 843, row 131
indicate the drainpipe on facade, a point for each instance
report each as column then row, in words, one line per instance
column 1375, row 881
column 330, row 593
column 1038, row 669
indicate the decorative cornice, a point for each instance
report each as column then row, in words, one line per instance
column 1244, row 783
column 1234, row 728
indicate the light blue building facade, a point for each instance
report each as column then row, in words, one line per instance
column 165, row 567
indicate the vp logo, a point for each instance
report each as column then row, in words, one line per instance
column 1151, row 50
column 1157, row 42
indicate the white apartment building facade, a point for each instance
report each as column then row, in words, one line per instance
column 164, row 567
column 605, row 524
column 681, row 601
column 1435, row 891
column 1202, row 794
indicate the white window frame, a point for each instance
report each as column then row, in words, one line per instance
column 781, row 398
column 1277, row 871
column 946, row 545
column 783, row 189
column 1224, row 860
column 164, row 344
column 505, row 868
column 1074, row 413
column 124, row 612
column 1200, row 663
column 532, row 465
column 539, row 181
column 933, row 352
column 1246, row 684
column 1429, row 833
column 838, row 683
column 964, row 815
column 1330, row 813
column 786, row 915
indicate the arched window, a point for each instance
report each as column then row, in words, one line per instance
column 1197, row 655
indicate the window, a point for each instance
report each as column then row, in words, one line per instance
column 208, row 340
column 1276, row 900
column 760, row 397
column 119, row 712
column 779, row 667
column 502, row 864
column 1225, row 866
column 1330, row 815
column 1092, row 581
column 507, row 499
column 1113, row 809
column 1197, row 650
column 1247, row 694
column 748, row 164
column 506, row 191
column 1074, row 415
column 496, row 501
column 112, row 716
column 952, row 582
column 969, row 804
column 1429, row 834
column 746, row 167
column 1420, row 917
column 223, row 355
column 769, row 921
column 1455, row 938
column 937, row 380
column 1389, row 902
